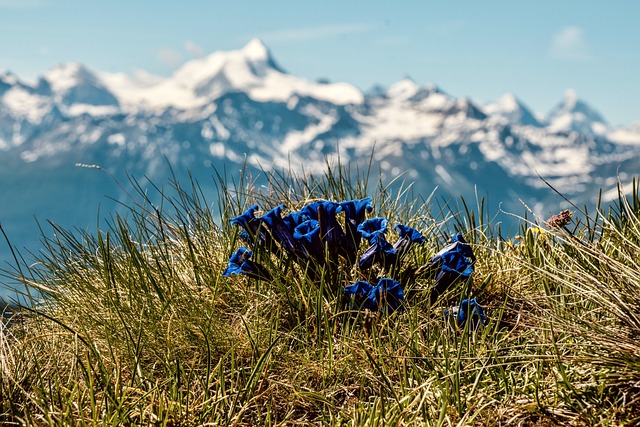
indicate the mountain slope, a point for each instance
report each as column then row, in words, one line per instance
column 241, row 106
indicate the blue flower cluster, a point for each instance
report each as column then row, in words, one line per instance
column 312, row 234
column 316, row 237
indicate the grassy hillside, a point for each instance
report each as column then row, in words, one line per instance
column 136, row 325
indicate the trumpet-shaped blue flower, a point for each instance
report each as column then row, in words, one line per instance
column 294, row 219
column 456, row 257
column 307, row 235
column 248, row 222
column 470, row 309
column 240, row 263
column 408, row 237
column 331, row 233
column 379, row 250
column 359, row 292
column 455, row 262
column 387, row 295
column 373, row 228
column 279, row 229
column 354, row 214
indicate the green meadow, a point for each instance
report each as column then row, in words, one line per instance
column 136, row 325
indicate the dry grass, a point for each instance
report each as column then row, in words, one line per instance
column 135, row 325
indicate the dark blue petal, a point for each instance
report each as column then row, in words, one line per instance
column 408, row 237
column 279, row 229
column 411, row 234
column 470, row 309
column 236, row 260
column 248, row 222
column 240, row 263
column 379, row 251
column 354, row 214
column 331, row 233
column 246, row 217
column 463, row 247
column 456, row 257
column 387, row 295
column 308, row 236
column 373, row 228
column 311, row 211
column 359, row 292
column 331, row 230
column 308, row 230
column 455, row 262
column 355, row 210
column 358, row 288
column 294, row 219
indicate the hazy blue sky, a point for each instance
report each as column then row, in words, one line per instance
column 479, row 49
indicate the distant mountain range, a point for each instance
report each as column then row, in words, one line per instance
column 217, row 110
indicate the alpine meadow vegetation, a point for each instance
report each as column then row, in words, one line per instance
column 296, row 302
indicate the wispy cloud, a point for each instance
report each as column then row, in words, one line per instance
column 570, row 44
column 313, row 33
column 194, row 49
column 169, row 56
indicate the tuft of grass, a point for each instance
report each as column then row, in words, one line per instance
column 134, row 325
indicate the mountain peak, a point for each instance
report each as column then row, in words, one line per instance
column 65, row 76
column 406, row 88
column 573, row 114
column 509, row 100
column 8, row 77
column 509, row 107
column 256, row 50
column 573, row 106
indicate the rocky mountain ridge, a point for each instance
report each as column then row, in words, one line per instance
column 231, row 107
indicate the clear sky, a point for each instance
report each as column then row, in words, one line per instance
column 480, row 49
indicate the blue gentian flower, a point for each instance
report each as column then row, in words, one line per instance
column 470, row 309
column 373, row 228
column 331, row 233
column 248, row 222
column 354, row 214
column 280, row 230
column 312, row 210
column 252, row 232
column 308, row 237
column 408, row 236
column 359, row 291
column 240, row 263
column 387, row 295
column 294, row 219
column 455, row 262
column 379, row 249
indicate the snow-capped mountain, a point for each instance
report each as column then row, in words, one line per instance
column 237, row 106
column 512, row 110
column 573, row 114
